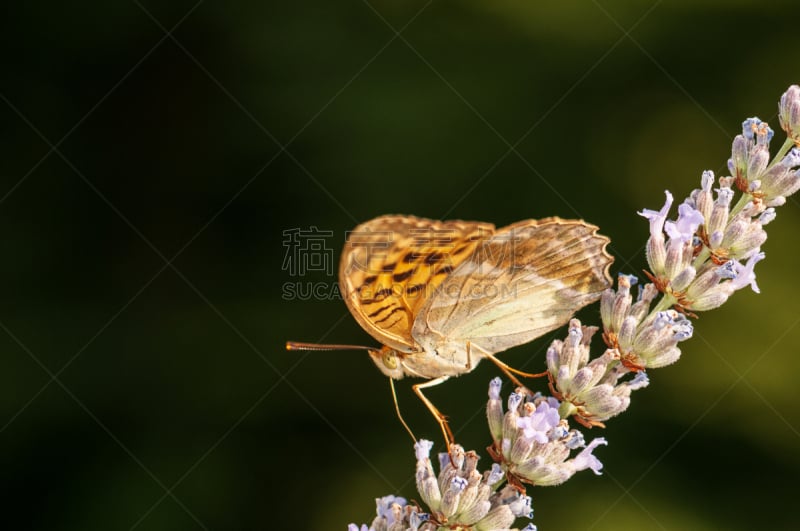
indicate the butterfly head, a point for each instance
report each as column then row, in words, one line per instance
column 389, row 361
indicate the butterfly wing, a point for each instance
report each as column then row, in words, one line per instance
column 391, row 264
column 527, row 279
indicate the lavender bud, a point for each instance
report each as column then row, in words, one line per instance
column 720, row 211
column 782, row 179
column 767, row 216
column 789, row 112
column 683, row 279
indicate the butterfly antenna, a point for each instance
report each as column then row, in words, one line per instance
column 297, row 345
column 397, row 409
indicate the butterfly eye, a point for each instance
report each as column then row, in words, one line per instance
column 389, row 359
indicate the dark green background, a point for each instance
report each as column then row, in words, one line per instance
column 145, row 188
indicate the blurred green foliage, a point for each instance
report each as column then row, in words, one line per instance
column 146, row 188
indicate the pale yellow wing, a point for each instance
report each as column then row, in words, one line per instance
column 392, row 264
column 527, row 279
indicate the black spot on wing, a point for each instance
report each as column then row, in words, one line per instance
column 400, row 277
column 390, row 325
column 411, row 290
column 379, row 311
column 433, row 258
column 379, row 296
column 444, row 270
column 395, row 309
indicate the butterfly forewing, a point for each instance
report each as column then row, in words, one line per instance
column 527, row 279
column 391, row 265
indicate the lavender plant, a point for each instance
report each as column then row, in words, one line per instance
column 696, row 262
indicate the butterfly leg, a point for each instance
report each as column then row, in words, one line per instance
column 518, row 372
column 440, row 418
column 511, row 371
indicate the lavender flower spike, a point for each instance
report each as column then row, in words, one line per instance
column 461, row 497
column 540, row 452
column 592, row 391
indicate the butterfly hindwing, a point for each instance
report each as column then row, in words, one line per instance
column 527, row 279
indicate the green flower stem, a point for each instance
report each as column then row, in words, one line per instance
column 665, row 303
column 567, row 409
column 787, row 145
column 701, row 258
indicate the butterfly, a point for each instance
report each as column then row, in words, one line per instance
column 440, row 296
